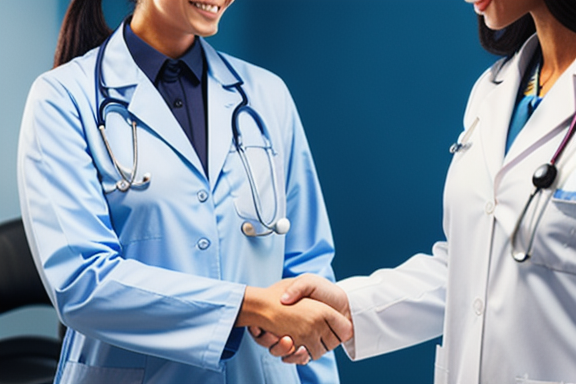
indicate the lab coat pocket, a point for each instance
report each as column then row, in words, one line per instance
column 555, row 240
column 440, row 366
column 565, row 201
column 526, row 380
column 565, row 196
column 78, row 373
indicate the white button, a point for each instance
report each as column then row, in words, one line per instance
column 478, row 307
column 203, row 244
column 489, row 207
column 202, row 196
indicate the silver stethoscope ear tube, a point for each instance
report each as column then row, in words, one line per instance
column 281, row 225
column 126, row 181
column 127, row 178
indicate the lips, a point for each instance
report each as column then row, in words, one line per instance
column 481, row 5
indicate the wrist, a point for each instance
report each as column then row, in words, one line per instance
column 254, row 308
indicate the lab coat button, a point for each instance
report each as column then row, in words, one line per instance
column 478, row 307
column 489, row 207
column 202, row 196
column 178, row 103
column 203, row 244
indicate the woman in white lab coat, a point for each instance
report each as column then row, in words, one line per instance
column 136, row 231
column 502, row 288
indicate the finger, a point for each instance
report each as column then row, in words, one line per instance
column 284, row 347
column 340, row 327
column 303, row 286
column 269, row 340
column 256, row 332
column 300, row 357
column 330, row 340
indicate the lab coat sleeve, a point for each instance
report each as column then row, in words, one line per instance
column 396, row 308
column 96, row 291
column 309, row 244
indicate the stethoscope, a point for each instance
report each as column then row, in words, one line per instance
column 281, row 225
column 128, row 178
column 543, row 178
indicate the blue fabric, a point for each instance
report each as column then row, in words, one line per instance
column 180, row 82
column 150, row 281
column 526, row 103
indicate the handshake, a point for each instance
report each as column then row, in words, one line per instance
column 298, row 319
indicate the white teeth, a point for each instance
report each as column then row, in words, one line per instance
column 207, row 7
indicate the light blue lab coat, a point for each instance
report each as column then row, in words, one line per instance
column 150, row 281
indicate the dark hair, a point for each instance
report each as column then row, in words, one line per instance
column 507, row 41
column 83, row 28
column 564, row 11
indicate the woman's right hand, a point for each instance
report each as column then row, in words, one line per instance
column 309, row 323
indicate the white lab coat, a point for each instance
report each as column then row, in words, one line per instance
column 150, row 281
column 502, row 321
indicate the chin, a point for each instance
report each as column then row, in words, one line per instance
column 207, row 32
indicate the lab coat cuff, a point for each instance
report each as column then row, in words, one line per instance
column 364, row 343
column 350, row 345
column 218, row 347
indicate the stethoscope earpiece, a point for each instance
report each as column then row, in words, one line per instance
column 282, row 226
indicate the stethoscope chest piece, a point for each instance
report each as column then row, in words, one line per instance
column 544, row 176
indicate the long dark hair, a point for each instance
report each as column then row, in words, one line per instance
column 507, row 41
column 83, row 28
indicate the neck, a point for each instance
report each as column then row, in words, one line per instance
column 161, row 36
column 558, row 47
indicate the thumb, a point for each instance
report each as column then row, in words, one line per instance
column 302, row 286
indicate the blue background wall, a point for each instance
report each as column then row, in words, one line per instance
column 381, row 87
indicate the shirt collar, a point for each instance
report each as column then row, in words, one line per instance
column 151, row 61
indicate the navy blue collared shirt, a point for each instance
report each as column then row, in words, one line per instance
column 182, row 84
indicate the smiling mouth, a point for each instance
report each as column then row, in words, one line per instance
column 207, row 7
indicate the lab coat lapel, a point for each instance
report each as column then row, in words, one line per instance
column 550, row 118
column 222, row 100
column 148, row 106
column 494, row 117
column 128, row 83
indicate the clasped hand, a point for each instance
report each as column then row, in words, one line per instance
column 298, row 319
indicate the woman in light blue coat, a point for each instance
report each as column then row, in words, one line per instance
column 141, row 218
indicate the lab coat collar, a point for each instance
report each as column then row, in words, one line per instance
column 550, row 119
column 119, row 76
column 496, row 110
column 127, row 82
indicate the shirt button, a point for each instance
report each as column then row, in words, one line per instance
column 478, row 307
column 202, row 196
column 178, row 103
column 203, row 244
column 489, row 207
